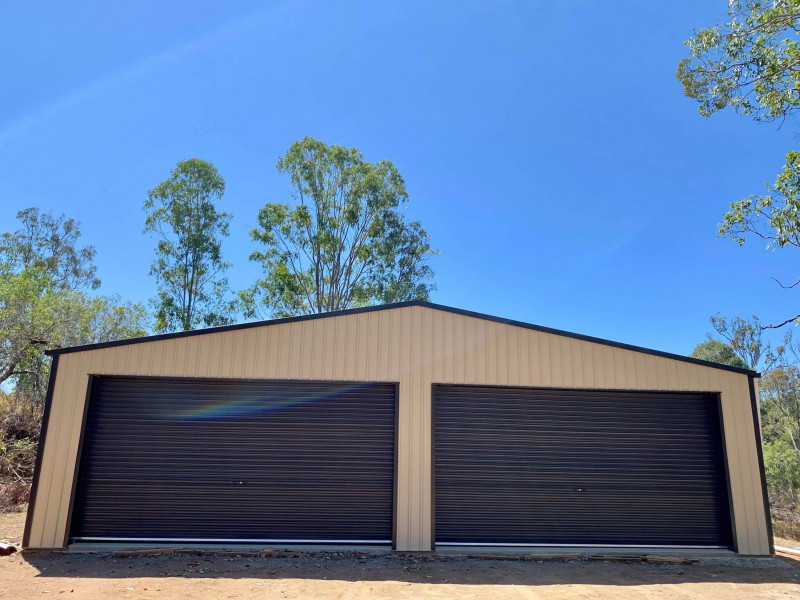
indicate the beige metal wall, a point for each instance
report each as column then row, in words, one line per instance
column 415, row 346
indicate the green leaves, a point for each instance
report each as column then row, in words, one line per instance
column 182, row 213
column 782, row 468
column 745, row 338
column 43, row 275
column 774, row 216
column 344, row 242
column 780, row 418
column 35, row 316
column 718, row 352
column 751, row 63
column 48, row 243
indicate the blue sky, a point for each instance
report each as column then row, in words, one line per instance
column 547, row 147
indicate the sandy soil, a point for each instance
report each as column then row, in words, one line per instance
column 352, row 577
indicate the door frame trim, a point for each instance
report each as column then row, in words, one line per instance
column 734, row 546
column 76, row 476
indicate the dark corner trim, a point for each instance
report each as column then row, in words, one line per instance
column 37, row 469
column 365, row 309
column 760, row 452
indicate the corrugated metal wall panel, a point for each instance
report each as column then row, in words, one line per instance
column 466, row 353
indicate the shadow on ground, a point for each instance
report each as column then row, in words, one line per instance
column 405, row 568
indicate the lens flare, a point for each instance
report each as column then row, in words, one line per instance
column 236, row 406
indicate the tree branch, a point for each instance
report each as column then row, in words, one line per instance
column 779, row 325
column 786, row 287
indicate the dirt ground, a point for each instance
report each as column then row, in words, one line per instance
column 787, row 542
column 11, row 527
column 354, row 577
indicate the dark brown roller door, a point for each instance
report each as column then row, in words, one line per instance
column 527, row 466
column 231, row 460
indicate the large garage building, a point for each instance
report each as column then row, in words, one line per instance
column 413, row 426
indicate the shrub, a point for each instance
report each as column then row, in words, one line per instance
column 20, row 422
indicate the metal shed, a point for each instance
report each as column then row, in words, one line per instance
column 410, row 425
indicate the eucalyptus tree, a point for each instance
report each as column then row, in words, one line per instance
column 189, row 269
column 344, row 241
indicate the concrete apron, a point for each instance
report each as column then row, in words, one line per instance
column 489, row 552
column 662, row 556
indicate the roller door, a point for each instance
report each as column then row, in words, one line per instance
column 518, row 466
column 200, row 460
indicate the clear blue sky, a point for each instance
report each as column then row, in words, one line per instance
column 547, row 146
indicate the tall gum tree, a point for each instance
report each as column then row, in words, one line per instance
column 189, row 268
column 345, row 241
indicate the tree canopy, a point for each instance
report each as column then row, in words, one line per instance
column 48, row 244
column 718, row 352
column 189, row 268
column 750, row 63
column 745, row 337
column 345, row 242
column 44, row 275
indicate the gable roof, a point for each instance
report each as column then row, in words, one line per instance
column 457, row 311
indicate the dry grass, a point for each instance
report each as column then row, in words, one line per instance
column 14, row 496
